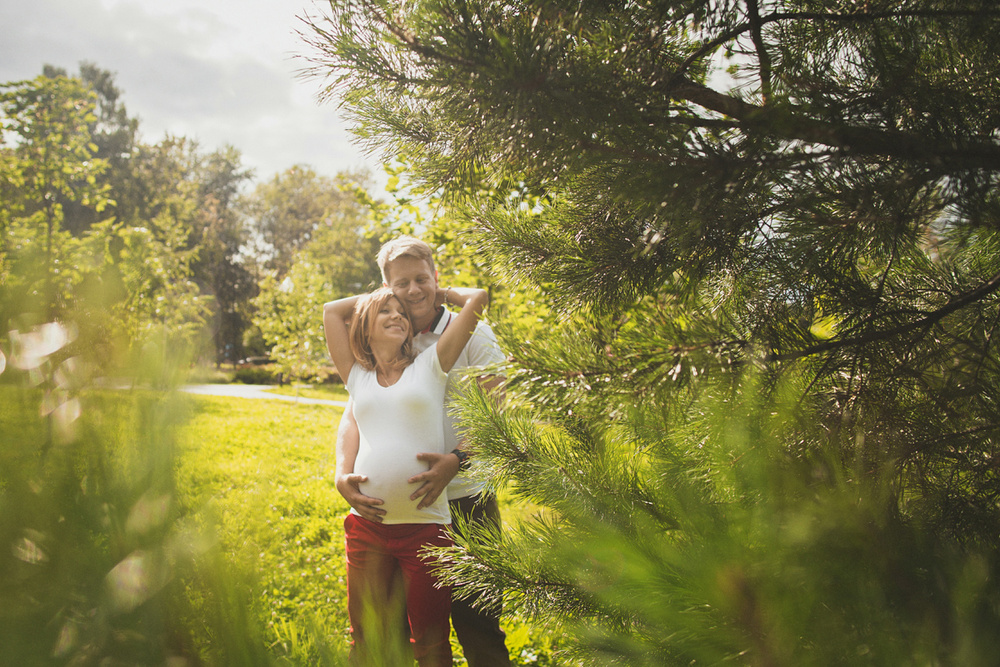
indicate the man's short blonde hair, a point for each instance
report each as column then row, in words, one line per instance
column 403, row 246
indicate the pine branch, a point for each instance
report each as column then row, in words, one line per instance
column 763, row 57
column 787, row 122
column 958, row 436
column 894, row 15
column 793, row 124
column 957, row 303
column 756, row 24
column 410, row 40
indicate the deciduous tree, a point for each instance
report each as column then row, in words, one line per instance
column 48, row 157
column 114, row 134
column 336, row 258
column 284, row 212
column 219, row 235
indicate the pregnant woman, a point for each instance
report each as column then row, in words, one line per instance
column 398, row 404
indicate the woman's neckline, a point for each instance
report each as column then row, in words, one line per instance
column 385, row 383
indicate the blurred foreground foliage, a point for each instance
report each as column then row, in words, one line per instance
column 713, row 541
column 97, row 556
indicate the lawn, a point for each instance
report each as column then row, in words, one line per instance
column 333, row 392
column 260, row 472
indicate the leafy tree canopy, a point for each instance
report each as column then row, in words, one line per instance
column 104, row 231
column 284, row 212
column 321, row 236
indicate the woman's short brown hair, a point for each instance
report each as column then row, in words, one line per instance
column 365, row 310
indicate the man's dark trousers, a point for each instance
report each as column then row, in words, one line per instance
column 478, row 631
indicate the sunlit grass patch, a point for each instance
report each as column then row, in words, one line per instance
column 205, row 526
column 333, row 392
column 261, row 474
column 96, row 552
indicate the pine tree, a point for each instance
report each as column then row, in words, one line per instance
column 762, row 420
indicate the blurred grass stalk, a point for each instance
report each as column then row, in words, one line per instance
column 97, row 563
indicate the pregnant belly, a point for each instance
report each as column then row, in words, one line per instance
column 387, row 480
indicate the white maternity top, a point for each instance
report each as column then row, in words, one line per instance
column 396, row 423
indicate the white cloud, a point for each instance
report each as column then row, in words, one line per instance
column 217, row 71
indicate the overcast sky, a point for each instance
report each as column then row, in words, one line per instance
column 217, row 71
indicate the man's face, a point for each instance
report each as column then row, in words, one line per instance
column 414, row 282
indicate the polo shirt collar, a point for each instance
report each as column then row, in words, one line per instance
column 440, row 322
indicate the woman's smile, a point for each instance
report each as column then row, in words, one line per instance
column 392, row 319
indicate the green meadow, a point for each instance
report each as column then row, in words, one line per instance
column 259, row 473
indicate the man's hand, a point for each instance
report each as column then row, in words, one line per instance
column 433, row 482
column 440, row 297
column 366, row 506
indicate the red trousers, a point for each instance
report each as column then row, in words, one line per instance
column 376, row 554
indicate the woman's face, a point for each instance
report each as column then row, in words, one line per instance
column 391, row 322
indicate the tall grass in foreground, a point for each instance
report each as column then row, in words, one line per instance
column 100, row 561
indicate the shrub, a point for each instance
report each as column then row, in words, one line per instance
column 268, row 374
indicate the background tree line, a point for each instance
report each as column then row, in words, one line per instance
column 760, row 412
column 131, row 240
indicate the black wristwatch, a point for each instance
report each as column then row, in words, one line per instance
column 463, row 459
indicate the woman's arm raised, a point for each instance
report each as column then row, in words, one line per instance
column 336, row 316
column 473, row 302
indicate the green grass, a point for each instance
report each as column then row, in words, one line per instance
column 227, row 504
column 333, row 392
column 261, row 473
column 100, row 565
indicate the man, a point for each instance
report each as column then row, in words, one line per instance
column 407, row 266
